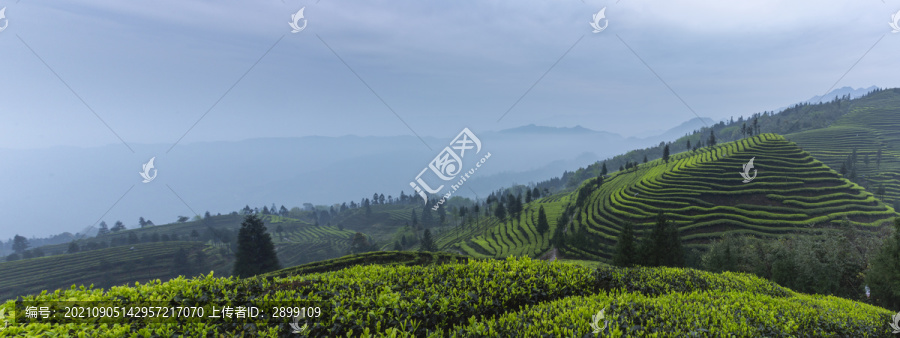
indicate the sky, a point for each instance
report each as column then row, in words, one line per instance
column 100, row 72
column 136, row 79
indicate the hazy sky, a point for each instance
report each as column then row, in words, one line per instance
column 150, row 70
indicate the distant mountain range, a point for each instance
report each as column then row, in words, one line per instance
column 60, row 189
column 854, row 93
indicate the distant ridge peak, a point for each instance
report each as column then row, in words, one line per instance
column 532, row 128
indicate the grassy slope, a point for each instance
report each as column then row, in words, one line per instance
column 513, row 297
column 704, row 194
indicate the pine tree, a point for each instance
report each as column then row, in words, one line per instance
column 665, row 155
column 663, row 246
column 500, row 212
column 427, row 242
column 103, row 230
column 712, row 139
column 603, row 170
column 674, row 251
column 255, row 253
column 626, row 251
column 542, row 225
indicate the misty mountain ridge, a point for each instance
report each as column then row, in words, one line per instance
column 840, row 92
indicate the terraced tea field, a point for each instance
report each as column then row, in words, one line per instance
column 870, row 127
column 517, row 237
column 704, row 194
column 311, row 243
column 103, row 268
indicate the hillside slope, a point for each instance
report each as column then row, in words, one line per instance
column 703, row 193
column 872, row 129
column 104, row 267
column 119, row 264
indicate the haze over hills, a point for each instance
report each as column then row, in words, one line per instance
column 81, row 184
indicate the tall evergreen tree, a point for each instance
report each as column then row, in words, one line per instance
column 665, row 156
column 674, row 251
column 712, row 139
column 500, row 212
column 542, row 225
column 626, row 250
column 603, row 170
column 427, row 242
column 255, row 252
column 663, row 246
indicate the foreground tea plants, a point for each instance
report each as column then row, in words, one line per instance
column 481, row 298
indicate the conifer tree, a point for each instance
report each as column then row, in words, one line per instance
column 542, row 225
column 665, row 156
column 255, row 253
column 626, row 251
column 427, row 242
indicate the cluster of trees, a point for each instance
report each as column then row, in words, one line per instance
column 661, row 247
column 848, row 167
column 883, row 276
column 104, row 229
column 20, row 250
column 833, row 263
column 359, row 243
column 510, row 203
